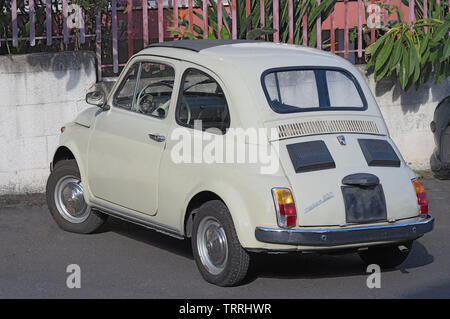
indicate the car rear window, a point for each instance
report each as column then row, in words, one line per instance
column 291, row 90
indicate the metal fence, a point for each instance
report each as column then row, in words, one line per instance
column 148, row 21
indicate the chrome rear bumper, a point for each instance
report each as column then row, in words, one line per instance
column 343, row 236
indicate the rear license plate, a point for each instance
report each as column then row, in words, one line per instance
column 364, row 204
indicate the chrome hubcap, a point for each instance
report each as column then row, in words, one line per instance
column 70, row 201
column 212, row 245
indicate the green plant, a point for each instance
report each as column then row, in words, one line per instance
column 413, row 51
column 249, row 27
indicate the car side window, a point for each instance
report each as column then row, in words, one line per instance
column 154, row 91
column 124, row 96
column 202, row 99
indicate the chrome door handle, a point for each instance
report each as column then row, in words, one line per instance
column 157, row 138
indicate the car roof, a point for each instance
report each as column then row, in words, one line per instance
column 198, row 45
column 243, row 54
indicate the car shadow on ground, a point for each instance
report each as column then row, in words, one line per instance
column 280, row 266
column 315, row 265
column 148, row 236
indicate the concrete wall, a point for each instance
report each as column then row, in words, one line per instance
column 408, row 116
column 38, row 94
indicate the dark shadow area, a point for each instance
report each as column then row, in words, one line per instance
column 280, row 266
column 412, row 98
column 148, row 236
column 438, row 291
column 60, row 64
column 315, row 265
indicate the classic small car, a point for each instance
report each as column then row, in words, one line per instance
column 337, row 182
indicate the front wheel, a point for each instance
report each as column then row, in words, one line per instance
column 218, row 253
column 65, row 200
column 387, row 256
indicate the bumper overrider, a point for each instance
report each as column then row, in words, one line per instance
column 343, row 236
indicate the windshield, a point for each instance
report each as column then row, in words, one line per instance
column 299, row 89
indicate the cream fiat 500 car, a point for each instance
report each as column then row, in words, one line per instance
column 337, row 182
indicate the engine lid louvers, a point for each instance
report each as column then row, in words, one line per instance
column 317, row 127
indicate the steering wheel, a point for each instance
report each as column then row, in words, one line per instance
column 142, row 96
column 188, row 109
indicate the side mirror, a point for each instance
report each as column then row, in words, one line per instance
column 97, row 98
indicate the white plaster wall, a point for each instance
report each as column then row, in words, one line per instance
column 38, row 94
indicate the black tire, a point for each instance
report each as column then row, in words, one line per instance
column 92, row 219
column 238, row 260
column 386, row 256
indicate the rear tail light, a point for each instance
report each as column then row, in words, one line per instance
column 422, row 199
column 285, row 207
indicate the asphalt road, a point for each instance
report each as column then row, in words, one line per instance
column 127, row 261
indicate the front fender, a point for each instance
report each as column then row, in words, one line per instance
column 75, row 138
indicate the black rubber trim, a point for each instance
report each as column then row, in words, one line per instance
column 310, row 156
column 361, row 179
column 292, row 109
column 379, row 153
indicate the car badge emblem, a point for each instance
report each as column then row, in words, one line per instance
column 341, row 139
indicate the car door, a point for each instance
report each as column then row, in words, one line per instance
column 126, row 145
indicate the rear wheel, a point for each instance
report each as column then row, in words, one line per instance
column 387, row 256
column 65, row 200
column 219, row 256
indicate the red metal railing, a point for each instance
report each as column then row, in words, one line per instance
column 150, row 24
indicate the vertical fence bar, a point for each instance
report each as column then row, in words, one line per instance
column 205, row 19
column 115, row 37
column 386, row 13
column 65, row 22
column 14, row 23
column 319, row 29
column 305, row 29
column 333, row 32
column 247, row 13
column 32, row 10
column 160, row 21
column 234, row 20
column 291, row 22
column 372, row 29
column 411, row 11
column 130, row 28
column 346, row 39
column 48, row 20
column 219, row 18
column 276, row 20
column 82, row 27
column 425, row 13
column 262, row 15
column 191, row 15
column 175, row 15
column 98, row 44
column 360, row 15
column 145, row 23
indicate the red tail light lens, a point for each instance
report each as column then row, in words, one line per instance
column 285, row 207
column 422, row 199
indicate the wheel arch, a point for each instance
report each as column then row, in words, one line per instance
column 62, row 153
column 70, row 151
column 195, row 202
column 233, row 200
